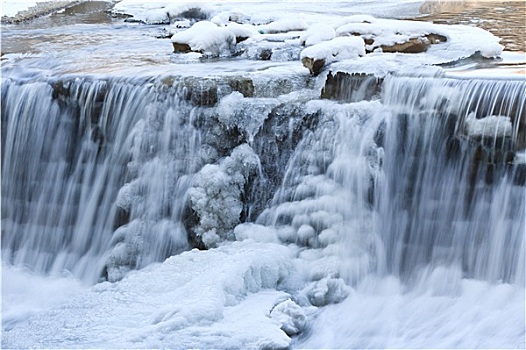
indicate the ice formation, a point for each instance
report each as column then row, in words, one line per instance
column 216, row 195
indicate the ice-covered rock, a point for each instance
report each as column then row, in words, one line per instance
column 216, row 195
column 493, row 126
column 290, row 316
column 327, row 291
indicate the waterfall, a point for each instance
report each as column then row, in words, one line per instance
column 453, row 193
column 68, row 146
column 96, row 173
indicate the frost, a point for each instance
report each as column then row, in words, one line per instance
column 216, row 195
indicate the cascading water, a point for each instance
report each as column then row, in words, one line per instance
column 68, row 146
column 453, row 192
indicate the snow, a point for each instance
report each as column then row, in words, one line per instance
column 388, row 31
column 341, row 48
column 317, row 33
column 161, row 12
column 283, row 26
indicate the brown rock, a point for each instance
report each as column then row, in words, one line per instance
column 414, row 45
column 181, row 48
column 313, row 65
column 436, row 38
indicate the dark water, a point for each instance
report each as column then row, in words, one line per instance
column 505, row 19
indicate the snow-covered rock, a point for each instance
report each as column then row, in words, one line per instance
column 394, row 35
column 317, row 33
column 317, row 56
column 204, row 37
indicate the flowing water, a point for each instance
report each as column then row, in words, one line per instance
column 413, row 195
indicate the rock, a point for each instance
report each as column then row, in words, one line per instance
column 347, row 87
column 181, row 48
column 243, row 85
column 436, row 38
column 313, row 65
column 414, row 45
column 265, row 54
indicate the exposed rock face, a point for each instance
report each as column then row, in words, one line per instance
column 181, row 48
column 347, row 87
column 415, row 45
column 313, row 65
